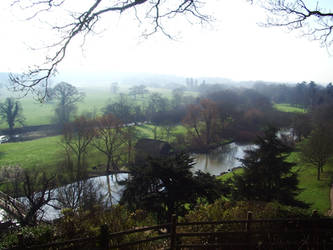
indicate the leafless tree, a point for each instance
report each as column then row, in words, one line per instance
column 81, row 194
column 35, row 190
column 77, row 136
column 81, row 21
column 110, row 139
column 202, row 123
column 309, row 17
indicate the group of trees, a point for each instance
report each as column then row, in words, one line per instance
column 65, row 95
column 314, row 126
column 305, row 95
column 107, row 134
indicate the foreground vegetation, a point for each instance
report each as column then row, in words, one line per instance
column 82, row 224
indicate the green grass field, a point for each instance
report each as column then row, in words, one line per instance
column 285, row 107
column 317, row 193
column 45, row 152
column 48, row 152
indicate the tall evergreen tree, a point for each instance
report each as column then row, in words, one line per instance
column 267, row 175
column 164, row 185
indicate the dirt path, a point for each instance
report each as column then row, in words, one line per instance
column 330, row 212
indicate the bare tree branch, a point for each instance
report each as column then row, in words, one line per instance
column 82, row 23
column 313, row 21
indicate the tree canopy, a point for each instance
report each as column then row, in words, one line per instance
column 67, row 97
column 317, row 148
column 11, row 112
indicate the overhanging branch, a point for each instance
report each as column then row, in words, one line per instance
column 37, row 79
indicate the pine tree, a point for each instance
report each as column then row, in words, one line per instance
column 267, row 175
column 164, row 185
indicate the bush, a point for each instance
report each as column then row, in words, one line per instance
column 41, row 234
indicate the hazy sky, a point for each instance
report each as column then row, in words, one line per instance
column 233, row 46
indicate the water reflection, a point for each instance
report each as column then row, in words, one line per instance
column 223, row 159
column 107, row 185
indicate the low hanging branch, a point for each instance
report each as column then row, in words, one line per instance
column 83, row 23
column 314, row 22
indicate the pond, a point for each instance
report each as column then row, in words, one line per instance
column 105, row 185
column 222, row 159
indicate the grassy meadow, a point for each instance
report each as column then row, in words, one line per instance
column 285, row 107
column 45, row 152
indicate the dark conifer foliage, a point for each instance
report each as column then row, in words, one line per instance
column 267, row 175
column 164, row 185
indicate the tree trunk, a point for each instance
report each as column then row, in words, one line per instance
column 109, row 188
column 318, row 173
column 108, row 164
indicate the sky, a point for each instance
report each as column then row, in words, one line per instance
column 234, row 46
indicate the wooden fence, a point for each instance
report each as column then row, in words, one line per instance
column 12, row 205
column 312, row 233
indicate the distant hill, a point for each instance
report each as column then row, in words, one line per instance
column 149, row 79
column 104, row 79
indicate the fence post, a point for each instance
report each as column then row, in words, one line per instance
column 248, row 223
column 173, row 232
column 104, row 236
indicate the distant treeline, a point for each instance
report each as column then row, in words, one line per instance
column 305, row 95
